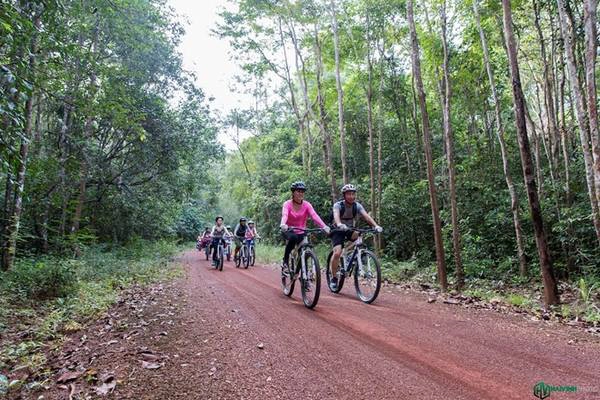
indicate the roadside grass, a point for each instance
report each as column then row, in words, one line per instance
column 44, row 298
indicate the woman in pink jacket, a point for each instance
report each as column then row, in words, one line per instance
column 294, row 214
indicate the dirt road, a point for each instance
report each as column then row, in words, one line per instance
column 234, row 335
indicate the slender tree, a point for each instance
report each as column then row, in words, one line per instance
column 550, row 288
column 514, row 200
column 437, row 225
column 449, row 139
column 340, row 91
column 580, row 113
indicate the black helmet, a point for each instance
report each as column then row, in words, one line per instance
column 218, row 216
column 298, row 186
column 243, row 219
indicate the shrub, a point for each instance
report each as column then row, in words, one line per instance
column 41, row 280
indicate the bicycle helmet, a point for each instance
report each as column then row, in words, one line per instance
column 250, row 222
column 243, row 219
column 218, row 216
column 348, row 188
column 228, row 227
column 299, row 185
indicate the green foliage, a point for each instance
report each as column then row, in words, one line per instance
column 41, row 279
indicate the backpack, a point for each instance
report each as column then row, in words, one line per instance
column 342, row 211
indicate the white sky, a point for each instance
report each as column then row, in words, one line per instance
column 208, row 57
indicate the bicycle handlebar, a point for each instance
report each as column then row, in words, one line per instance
column 305, row 230
column 359, row 230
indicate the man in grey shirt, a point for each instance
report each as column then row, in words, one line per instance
column 345, row 213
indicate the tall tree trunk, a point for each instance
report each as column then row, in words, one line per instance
column 369, row 93
column 295, row 108
column 301, row 70
column 548, row 93
column 87, row 134
column 437, row 226
column 591, row 44
column 449, row 139
column 14, row 220
column 340, row 91
column 550, row 288
column 380, row 116
column 593, row 190
column 323, row 118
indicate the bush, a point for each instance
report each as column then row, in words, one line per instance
column 41, row 280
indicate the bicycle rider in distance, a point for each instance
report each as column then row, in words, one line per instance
column 239, row 234
column 219, row 231
column 295, row 213
column 344, row 215
column 251, row 232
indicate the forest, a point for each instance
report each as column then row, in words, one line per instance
column 469, row 126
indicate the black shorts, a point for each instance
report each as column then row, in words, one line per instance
column 339, row 237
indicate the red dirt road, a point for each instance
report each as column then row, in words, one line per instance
column 400, row 347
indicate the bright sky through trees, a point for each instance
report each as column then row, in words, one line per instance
column 208, row 56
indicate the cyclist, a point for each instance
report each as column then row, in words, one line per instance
column 251, row 232
column 344, row 215
column 217, row 234
column 203, row 238
column 294, row 213
column 239, row 233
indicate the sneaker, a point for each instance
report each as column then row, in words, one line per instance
column 333, row 283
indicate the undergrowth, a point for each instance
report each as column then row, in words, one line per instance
column 43, row 298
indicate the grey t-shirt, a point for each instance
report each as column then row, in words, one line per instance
column 347, row 218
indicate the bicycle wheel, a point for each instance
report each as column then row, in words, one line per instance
column 340, row 276
column 367, row 277
column 288, row 282
column 207, row 251
column 310, row 279
column 246, row 258
column 238, row 259
column 220, row 259
column 228, row 253
column 252, row 256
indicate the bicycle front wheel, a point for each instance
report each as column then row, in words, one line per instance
column 246, row 259
column 238, row 258
column 310, row 279
column 252, row 256
column 367, row 277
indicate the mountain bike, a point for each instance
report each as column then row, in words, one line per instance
column 357, row 259
column 220, row 254
column 303, row 264
column 250, row 252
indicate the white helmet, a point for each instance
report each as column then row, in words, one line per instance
column 348, row 188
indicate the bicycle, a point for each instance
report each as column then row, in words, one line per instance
column 220, row 254
column 240, row 259
column 304, row 264
column 250, row 252
column 357, row 259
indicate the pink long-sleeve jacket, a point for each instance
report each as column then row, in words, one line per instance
column 298, row 218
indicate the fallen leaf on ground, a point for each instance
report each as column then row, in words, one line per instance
column 69, row 376
column 150, row 365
